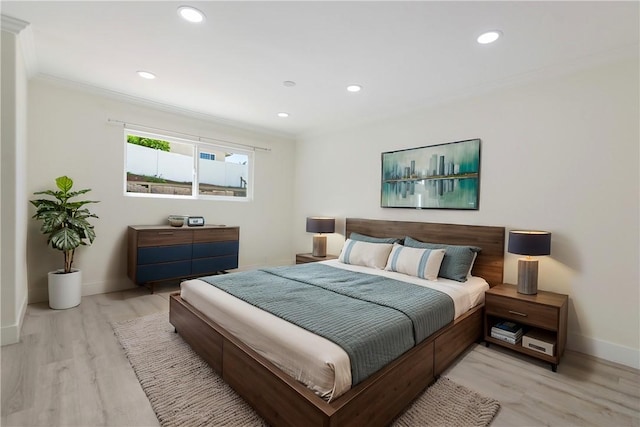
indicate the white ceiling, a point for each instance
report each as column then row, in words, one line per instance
column 406, row 55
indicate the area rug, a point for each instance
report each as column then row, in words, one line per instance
column 185, row 391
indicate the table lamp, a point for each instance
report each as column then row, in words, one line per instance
column 319, row 225
column 529, row 243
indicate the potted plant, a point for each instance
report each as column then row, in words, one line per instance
column 66, row 224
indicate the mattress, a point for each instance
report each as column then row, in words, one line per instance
column 312, row 360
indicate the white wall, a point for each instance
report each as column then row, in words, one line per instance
column 14, row 215
column 559, row 155
column 69, row 135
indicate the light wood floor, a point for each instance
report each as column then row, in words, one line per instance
column 69, row 370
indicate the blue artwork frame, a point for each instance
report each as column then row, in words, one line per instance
column 442, row 176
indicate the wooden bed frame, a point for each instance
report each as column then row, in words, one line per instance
column 282, row 401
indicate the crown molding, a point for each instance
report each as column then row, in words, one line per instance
column 12, row 25
column 23, row 31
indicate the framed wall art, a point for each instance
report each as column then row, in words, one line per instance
column 443, row 176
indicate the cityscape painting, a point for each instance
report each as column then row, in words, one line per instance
column 443, row 176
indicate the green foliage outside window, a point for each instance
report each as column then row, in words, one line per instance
column 156, row 144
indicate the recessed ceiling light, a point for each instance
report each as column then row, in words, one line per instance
column 191, row 14
column 354, row 88
column 146, row 75
column 489, row 37
column 283, row 114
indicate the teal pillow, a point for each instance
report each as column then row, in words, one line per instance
column 457, row 259
column 370, row 239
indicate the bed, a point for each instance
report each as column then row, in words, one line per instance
column 282, row 400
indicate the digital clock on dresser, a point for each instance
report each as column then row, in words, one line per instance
column 195, row 221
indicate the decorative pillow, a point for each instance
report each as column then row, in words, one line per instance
column 457, row 261
column 423, row 263
column 370, row 239
column 364, row 253
column 475, row 255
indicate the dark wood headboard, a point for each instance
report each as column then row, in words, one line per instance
column 489, row 263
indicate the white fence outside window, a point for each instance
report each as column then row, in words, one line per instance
column 179, row 167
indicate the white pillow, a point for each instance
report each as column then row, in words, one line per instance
column 475, row 255
column 364, row 253
column 423, row 263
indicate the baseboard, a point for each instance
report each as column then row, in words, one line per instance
column 604, row 350
column 11, row 334
column 106, row 287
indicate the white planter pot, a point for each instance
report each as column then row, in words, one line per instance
column 64, row 289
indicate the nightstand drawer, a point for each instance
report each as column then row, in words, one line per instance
column 522, row 311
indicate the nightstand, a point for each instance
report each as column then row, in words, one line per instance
column 544, row 313
column 305, row 258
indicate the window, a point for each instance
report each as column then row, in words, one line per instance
column 161, row 166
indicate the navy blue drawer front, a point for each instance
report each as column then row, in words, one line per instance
column 152, row 255
column 214, row 249
column 157, row 272
column 211, row 265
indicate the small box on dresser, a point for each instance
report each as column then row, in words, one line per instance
column 542, row 315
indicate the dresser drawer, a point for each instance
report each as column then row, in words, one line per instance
column 164, row 271
column 204, row 266
column 159, row 254
column 522, row 311
column 164, row 237
column 206, row 250
column 215, row 234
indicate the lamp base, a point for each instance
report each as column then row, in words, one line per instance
column 527, row 276
column 319, row 245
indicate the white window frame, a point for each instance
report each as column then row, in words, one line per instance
column 197, row 146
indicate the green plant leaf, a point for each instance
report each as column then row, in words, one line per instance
column 84, row 229
column 65, row 239
column 77, row 193
column 53, row 219
column 48, row 192
column 76, row 205
column 64, row 183
column 90, row 234
column 44, row 206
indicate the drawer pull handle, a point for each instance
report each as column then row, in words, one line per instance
column 518, row 313
column 166, row 233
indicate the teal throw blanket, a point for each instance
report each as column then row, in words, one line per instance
column 373, row 318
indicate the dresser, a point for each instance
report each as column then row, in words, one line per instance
column 160, row 252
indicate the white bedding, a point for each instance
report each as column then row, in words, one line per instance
column 313, row 360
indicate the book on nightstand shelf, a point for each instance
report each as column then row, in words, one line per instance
column 507, row 331
column 512, row 339
column 507, row 326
